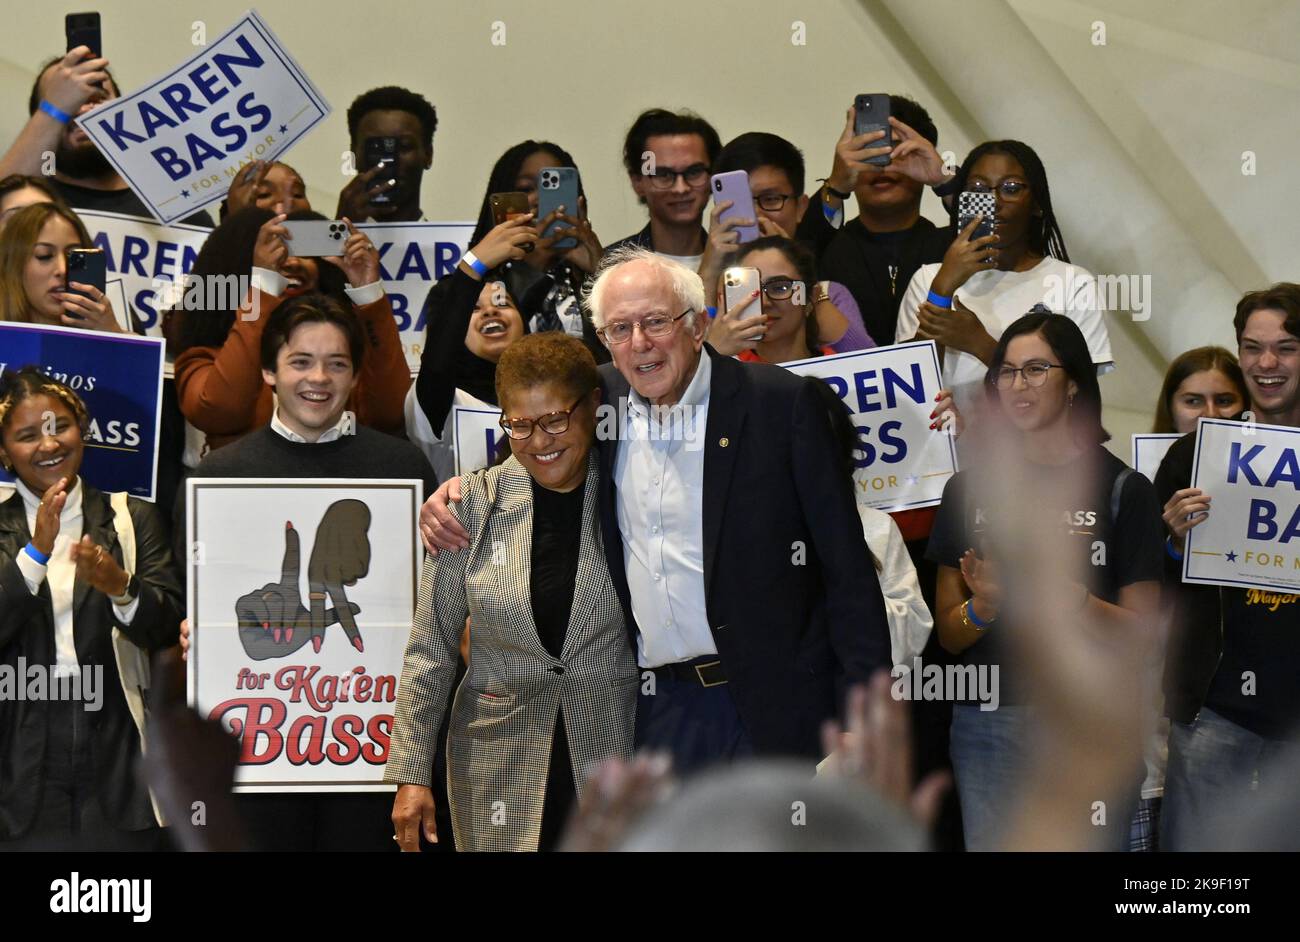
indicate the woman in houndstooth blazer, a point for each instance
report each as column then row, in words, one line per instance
column 552, row 680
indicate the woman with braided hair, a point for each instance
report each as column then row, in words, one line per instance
column 87, row 591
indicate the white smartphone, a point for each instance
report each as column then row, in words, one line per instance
column 316, row 237
column 737, row 285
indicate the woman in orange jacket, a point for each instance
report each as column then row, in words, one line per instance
column 218, row 366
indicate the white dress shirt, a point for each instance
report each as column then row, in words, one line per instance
column 61, row 573
column 346, row 425
column 660, row 502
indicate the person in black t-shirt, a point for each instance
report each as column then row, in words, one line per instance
column 66, row 87
column 876, row 254
column 1104, row 529
column 1232, row 681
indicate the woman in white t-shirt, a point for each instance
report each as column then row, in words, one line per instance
column 985, row 284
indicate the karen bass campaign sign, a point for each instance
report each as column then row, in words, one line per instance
column 301, row 599
column 1251, row 536
column 900, row 462
column 180, row 140
column 119, row 377
column 412, row 257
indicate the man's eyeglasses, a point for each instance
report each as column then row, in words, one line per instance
column 553, row 423
column 1035, row 374
column 772, row 202
column 1010, row 189
column 656, row 325
column 664, row 178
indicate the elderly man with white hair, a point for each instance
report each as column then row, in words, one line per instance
column 730, row 530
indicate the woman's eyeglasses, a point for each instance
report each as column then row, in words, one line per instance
column 553, row 423
column 1010, row 189
column 1035, row 374
column 782, row 289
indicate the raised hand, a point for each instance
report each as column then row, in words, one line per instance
column 729, row 333
column 90, row 311
column 48, row 516
column 360, row 259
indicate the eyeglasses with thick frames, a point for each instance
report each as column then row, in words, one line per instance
column 1010, row 189
column 553, row 423
column 656, row 325
column 772, row 202
column 664, row 178
column 782, row 289
column 1035, row 374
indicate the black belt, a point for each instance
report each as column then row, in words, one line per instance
column 705, row 671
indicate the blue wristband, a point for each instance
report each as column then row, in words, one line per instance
column 1173, row 553
column 711, row 311
column 60, row 116
column 938, row 300
column 975, row 619
column 36, row 554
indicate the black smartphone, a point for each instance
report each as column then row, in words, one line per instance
column 82, row 29
column 871, row 113
column 381, row 152
column 87, row 267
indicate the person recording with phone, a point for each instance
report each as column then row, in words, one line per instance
column 775, row 171
column 218, row 370
column 36, row 285
column 985, row 283
column 1039, row 461
column 875, row 254
column 780, row 324
column 390, row 130
column 67, row 87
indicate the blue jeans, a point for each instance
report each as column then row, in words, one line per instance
column 1213, row 768
column 988, row 751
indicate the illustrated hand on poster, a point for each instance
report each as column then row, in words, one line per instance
column 273, row 622
column 340, row 556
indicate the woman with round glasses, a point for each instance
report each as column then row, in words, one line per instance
column 1038, row 462
column 552, row 681
column 786, row 321
column 983, row 284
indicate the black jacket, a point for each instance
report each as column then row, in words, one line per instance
column 791, row 632
column 1196, row 631
column 27, row 631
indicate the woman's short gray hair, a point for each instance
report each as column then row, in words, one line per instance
column 686, row 284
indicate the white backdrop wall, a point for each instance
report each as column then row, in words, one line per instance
column 1143, row 137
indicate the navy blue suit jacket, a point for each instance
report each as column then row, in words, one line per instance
column 793, row 600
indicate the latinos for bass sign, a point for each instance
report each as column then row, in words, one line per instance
column 180, row 140
column 1251, row 535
